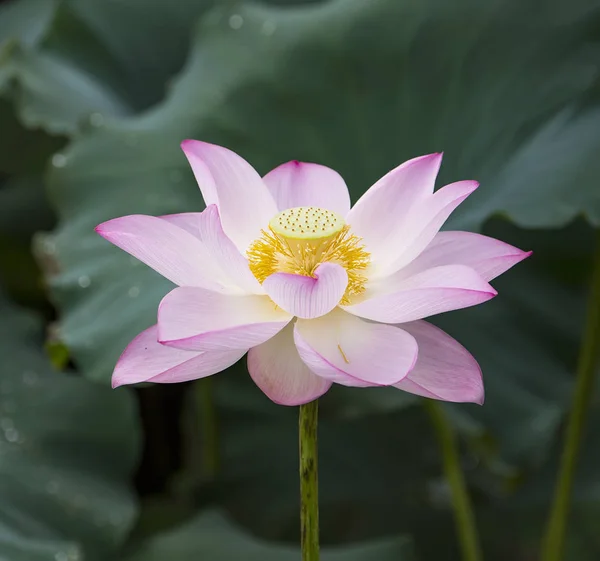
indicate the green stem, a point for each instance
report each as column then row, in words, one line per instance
column 463, row 510
column 309, row 486
column 554, row 539
column 208, row 426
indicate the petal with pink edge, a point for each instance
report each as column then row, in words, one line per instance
column 277, row 370
column 201, row 320
column 308, row 297
column 146, row 360
column 295, row 184
column 430, row 292
column 487, row 256
column 445, row 369
column 389, row 203
column 244, row 202
column 350, row 351
column 168, row 249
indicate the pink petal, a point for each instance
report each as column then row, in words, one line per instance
column 225, row 251
column 430, row 292
column 244, row 202
column 308, row 297
column 444, row 370
column 206, row 226
column 487, row 256
column 353, row 352
column 378, row 214
column 201, row 171
column 423, row 224
column 186, row 220
column 201, row 320
column 168, row 249
column 277, row 370
column 301, row 184
column 146, row 360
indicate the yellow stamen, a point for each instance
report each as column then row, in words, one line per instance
column 299, row 239
column 343, row 355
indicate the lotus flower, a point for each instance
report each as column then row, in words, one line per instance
column 314, row 291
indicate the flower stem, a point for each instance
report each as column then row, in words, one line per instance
column 554, row 539
column 309, row 487
column 208, row 425
column 461, row 502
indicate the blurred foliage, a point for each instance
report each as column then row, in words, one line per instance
column 66, row 465
column 211, row 536
column 95, row 96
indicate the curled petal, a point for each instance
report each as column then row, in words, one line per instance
column 201, row 320
column 168, row 249
column 146, row 360
column 296, row 184
column 244, row 202
column 277, row 370
column 433, row 291
column 308, row 297
column 353, row 352
column 445, row 369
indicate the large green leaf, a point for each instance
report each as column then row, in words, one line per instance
column 68, row 448
column 25, row 20
column 211, row 536
column 503, row 88
column 93, row 59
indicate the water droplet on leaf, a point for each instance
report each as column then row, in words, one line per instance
column 59, row 160
column 236, row 21
column 268, row 28
column 11, row 435
column 96, row 119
